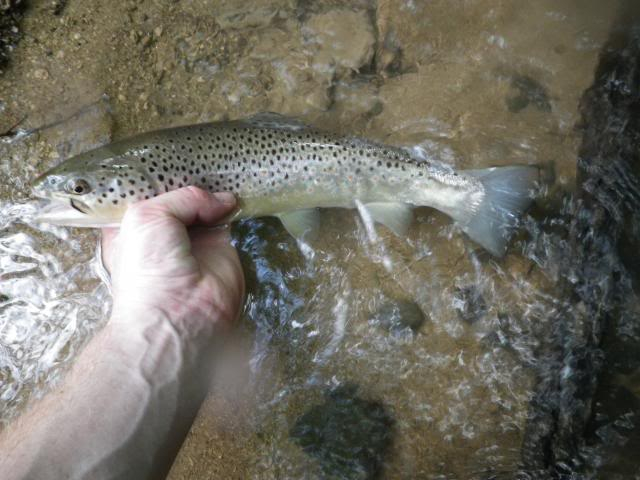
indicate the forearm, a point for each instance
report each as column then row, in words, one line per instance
column 122, row 412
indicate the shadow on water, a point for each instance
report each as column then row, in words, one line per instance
column 583, row 416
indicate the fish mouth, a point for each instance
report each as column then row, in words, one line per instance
column 79, row 206
column 65, row 212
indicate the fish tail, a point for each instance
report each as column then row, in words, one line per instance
column 508, row 193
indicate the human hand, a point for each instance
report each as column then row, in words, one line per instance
column 193, row 278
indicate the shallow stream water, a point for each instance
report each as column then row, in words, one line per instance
column 417, row 357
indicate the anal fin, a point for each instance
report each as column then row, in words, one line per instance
column 301, row 223
column 395, row 216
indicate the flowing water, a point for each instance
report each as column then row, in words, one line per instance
column 361, row 355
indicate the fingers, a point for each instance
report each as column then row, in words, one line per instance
column 214, row 252
column 188, row 206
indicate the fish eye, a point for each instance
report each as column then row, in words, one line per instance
column 78, row 187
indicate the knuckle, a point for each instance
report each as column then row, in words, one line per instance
column 197, row 193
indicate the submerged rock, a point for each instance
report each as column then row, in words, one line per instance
column 595, row 268
column 347, row 434
column 398, row 315
column 257, row 13
column 10, row 16
column 354, row 100
column 345, row 40
column 411, row 33
column 528, row 92
column 470, row 304
column 57, row 6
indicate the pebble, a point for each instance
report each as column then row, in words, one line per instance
column 40, row 74
column 397, row 315
column 345, row 39
column 348, row 435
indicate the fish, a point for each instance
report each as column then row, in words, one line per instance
column 279, row 166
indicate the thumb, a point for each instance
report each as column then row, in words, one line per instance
column 187, row 205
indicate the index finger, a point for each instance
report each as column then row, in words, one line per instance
column 187, row 205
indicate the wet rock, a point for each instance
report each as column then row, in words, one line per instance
column 398, row 315
column 280, row 60
column 527, row 92
column 410, row 108
column 469, row 303
column 196, row 45
column 354, row 100
column 257, row 13
column 57, row 6
column 344, row 38
column 90, row 127
column 614, row 432
column 595, row 271
column 417, row 32
column 348, row 435
column 10, row 15
column 389, row 55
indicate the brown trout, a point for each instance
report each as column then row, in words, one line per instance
column 277, row 166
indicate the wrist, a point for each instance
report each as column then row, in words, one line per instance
column 152, row 344
column 193, row 327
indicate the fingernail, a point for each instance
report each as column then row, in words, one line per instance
column 227, row 198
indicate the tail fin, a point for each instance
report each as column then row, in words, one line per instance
column 507, row 196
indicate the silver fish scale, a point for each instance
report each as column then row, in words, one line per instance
column 256, row 161
column 271, row 167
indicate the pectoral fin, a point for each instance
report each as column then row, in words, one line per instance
column 395, row 216
column 301, row 222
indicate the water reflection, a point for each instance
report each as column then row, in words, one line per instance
column 50, row 302
column 482, row 366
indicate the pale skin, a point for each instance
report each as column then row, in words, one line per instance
column 126, row 405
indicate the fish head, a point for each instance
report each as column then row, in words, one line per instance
column 91, row 190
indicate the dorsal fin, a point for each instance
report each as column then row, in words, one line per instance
column 274, row 120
